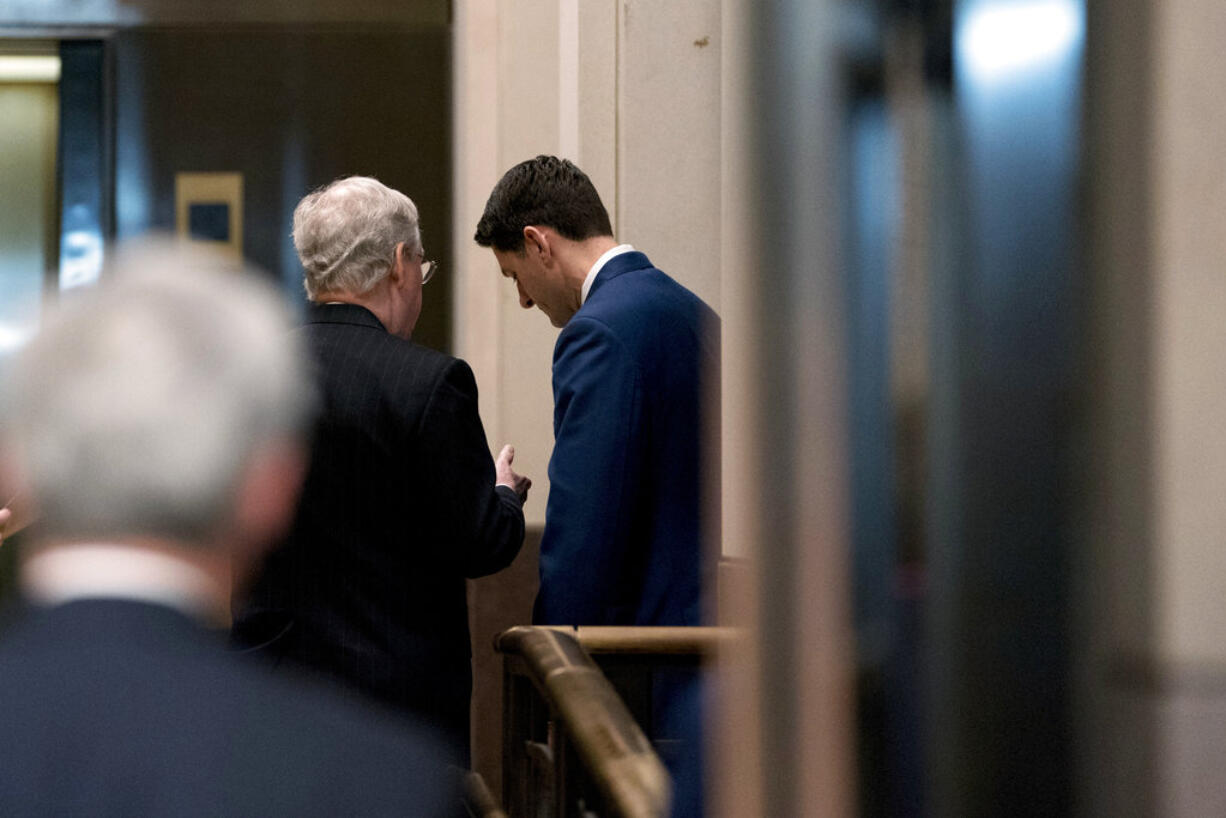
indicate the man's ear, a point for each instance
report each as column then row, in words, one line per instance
column 15, row 494
column 268, row 496
column 263, row 510
column 399, row 265
column 536, row 240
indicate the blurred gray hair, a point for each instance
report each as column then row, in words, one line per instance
column 136, row 410
column 346, row 234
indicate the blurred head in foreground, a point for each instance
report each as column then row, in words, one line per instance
column 161, row 409
column 155, row 423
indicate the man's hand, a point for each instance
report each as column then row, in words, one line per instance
column 505, row 476
column 5, row 516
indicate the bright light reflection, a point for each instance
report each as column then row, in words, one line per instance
column 80, row 258
column 13, row 338
column 29, row 68
column 1000, row 40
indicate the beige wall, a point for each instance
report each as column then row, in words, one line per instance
column 668, row 111
column 631, row 91
column 1189, row 175
column 1190, row 331
column 652, row 99
column 1155, row 729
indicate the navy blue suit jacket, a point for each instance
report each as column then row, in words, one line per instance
column 121, row 708
column 623, row 526
column 632, row 373
column 399, row 506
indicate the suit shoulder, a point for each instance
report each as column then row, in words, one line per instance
column 589, row 330
column 649, row 301
column 428, row 358
column 359, row 347
column 310, row 723
column 649, row 284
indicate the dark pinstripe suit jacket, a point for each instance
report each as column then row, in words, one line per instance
column 399, row 506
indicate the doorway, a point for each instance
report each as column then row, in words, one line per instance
column 29, row 221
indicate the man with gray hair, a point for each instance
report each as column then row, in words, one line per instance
column 402, row 500
column 156, row 426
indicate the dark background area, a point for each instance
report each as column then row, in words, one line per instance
column 290, row 108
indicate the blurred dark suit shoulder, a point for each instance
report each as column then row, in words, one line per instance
column 399, row 506
column 121, row 708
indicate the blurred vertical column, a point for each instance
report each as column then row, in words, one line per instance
column 735, row 737
column 1007, row 370
column 793, row 489
column 1153, row 658
column 85, row 162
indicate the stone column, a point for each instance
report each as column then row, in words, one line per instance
column 1153, row 673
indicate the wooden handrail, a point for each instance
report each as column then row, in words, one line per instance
column 478, row 800
column 704, row 642
column 617, row 755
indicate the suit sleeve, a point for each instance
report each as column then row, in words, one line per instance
column 587, row 566
column 478, row 527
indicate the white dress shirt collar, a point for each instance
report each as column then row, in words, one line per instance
column 598, row 266
column 107, row 571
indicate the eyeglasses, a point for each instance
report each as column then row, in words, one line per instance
column 428, row 269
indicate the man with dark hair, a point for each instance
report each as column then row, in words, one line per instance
column 543, row 191
column 637, row 353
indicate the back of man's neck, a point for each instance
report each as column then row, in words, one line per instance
column 374, row 301
column 188, row 578
column 588, row 251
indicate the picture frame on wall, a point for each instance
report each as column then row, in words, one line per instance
column 209, row 210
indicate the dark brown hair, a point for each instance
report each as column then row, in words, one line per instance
column 546, row 192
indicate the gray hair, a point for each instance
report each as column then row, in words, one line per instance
column 136, row 410
column 346, row 234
